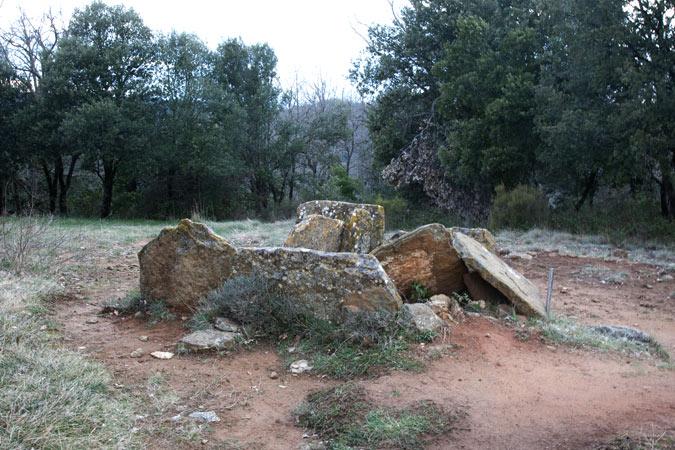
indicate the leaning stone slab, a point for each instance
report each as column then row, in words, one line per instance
column 184, row 263
column 519, row 290
column 209, row 340
column 317, row 233
column 422, row 316
column 364, row 223
column 482, row 235
column 324, row 283
column 425, row 255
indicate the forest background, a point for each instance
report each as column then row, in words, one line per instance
column 521, row 113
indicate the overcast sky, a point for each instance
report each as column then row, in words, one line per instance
column 313, row 38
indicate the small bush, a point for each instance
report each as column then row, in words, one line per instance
column 30, row 244
column 345, row 416
column 357, row 345
column 522, row 208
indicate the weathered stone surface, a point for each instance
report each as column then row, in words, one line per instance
column 422, row 316
column 324, row 282
column 446, row 308
column 184, row 263
column 519, row 290
column 209, row 340
column 317, row 233
column 366, row 232
column 425, row 255
column 172, row 271
column 479, row 289
column 482, row 235
column 225, row 324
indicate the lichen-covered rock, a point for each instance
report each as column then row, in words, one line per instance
column 519, row 290
column 317, row 233
column 184, row 263
column 209, row 340
column 422, row 316
column 425, row 255
column 366, row 227
column 482, row 235
column 360, row 233
column 324, row 282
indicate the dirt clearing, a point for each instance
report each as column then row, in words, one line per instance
column 515, row 392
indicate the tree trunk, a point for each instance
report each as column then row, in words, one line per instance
column 64, row 184
column 667, row 199
column 51, row 186
column 3, row 202
column 589, row 189
column 108, row 183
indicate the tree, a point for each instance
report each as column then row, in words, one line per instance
column 580, row 96
column 248, row 74
column 102, row 67
column 650, row 116
column 30, row 45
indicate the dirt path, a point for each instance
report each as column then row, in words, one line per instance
column 516, row 395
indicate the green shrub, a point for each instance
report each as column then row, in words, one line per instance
column 347, row 418
column 356, row 345
column 522, row 208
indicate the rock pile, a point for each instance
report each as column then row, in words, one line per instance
column 334, row 259
column 338, row 227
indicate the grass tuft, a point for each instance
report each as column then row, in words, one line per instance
column 343, row 414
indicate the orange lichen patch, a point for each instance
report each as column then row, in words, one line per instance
column 425, row 255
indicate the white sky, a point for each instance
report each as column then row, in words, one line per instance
column 315, row 39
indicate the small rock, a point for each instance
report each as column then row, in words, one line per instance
column 43, row 327
column 138, row 314
column 648, row 286
column 209, row 339
column 225, row 324
column 162, row 355
column 620, row 253
column 439, row 303
column 519, row 255
column 143, row 338
column 300, row 366
column 422, row 316
column 91, row 321
column 564, row 290
column 204, row 416
column 137, row 353
column 274, row 375
column 205, row 441
column 482, row 304
column 666, row 278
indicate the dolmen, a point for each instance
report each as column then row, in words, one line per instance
column 336, row 258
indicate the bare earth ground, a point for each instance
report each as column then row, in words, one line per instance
column 516, row 394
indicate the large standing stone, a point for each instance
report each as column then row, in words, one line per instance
column 317, row 233
column 364, row 224
column 519, row 290
column 184, row 263
column 324, row 282
column 425, row 255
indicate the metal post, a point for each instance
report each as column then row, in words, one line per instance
column 548, row 297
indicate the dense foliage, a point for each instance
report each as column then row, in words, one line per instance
column 571, row 98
